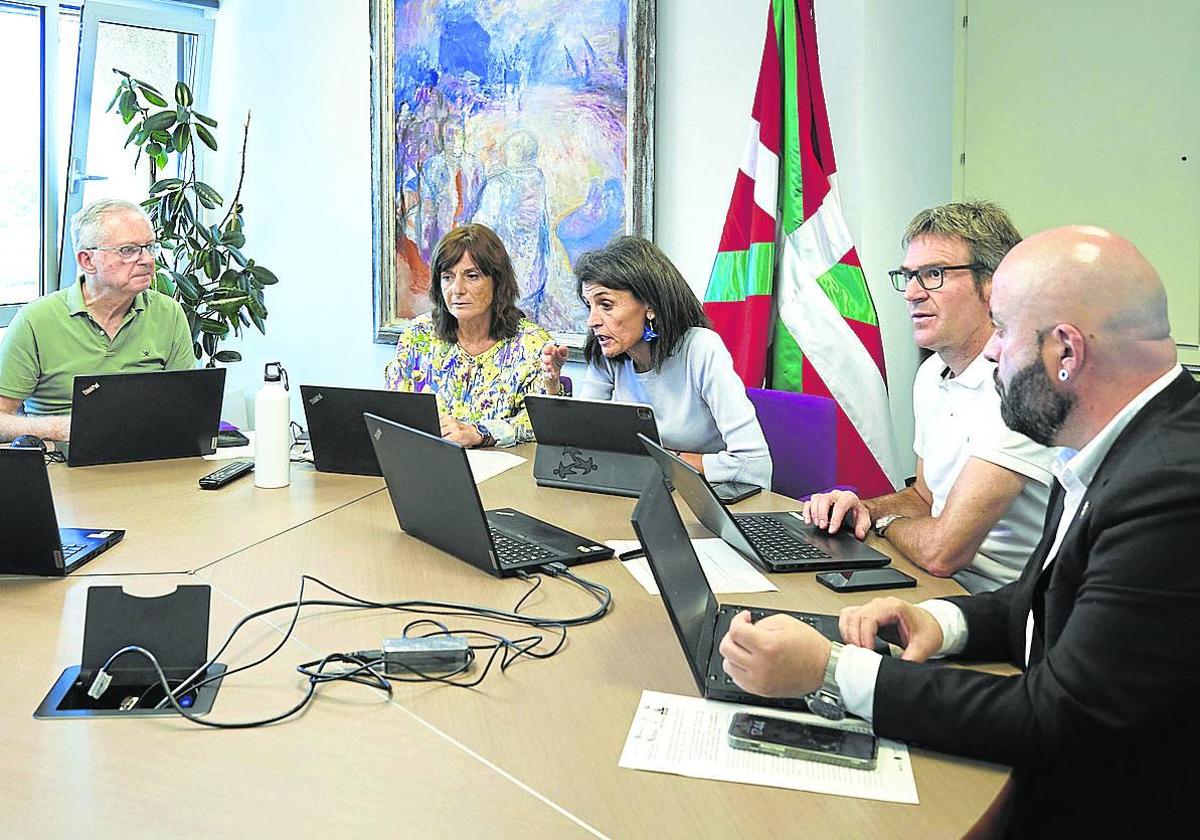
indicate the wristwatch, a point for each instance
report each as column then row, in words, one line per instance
column 488, row 440
column 826, row 701
column 880, row 525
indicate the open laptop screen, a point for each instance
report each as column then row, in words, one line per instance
column 685, row 591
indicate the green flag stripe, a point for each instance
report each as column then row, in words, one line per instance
column 791, row 188
column 786, row 361
column 846, row 287
column 738, row 274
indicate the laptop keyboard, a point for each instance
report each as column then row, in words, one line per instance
column 776, row 542
column 72, row 550
column 757, row 616
column 512, row 552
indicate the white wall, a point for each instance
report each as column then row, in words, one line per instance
column 303, row 65
column 303, row 68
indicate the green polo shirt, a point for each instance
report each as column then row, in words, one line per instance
column 53, row 339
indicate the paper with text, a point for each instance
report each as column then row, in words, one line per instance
column 687, row 736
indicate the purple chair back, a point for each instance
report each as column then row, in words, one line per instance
column 801, row 432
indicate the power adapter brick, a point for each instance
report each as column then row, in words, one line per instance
column 425, row 655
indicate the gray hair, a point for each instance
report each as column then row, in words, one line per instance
column 983, row 225
column 87, row 226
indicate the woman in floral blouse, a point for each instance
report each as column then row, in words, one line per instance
column 476, row 351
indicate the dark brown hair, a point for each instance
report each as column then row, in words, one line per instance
column 490, row 256
column 636, row 265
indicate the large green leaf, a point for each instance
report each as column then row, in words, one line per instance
column 132, row 133
column 213, row 327
column 233, row 237
column 152, row 96
column 163, row 284
column 227, row 356
column 142, row 85
column 209, row 121
column 160, row 121
column 187, row 285
column 263, row 275
column 127, row 106
column 237, row 255
column 229, row 280
column 203, row 189
column 212, row 264
column 164, row 185
column 181, row 137
column 183, row 94
column 116, row 95
column 206, row 136
column 228, row 306
column 258, row 322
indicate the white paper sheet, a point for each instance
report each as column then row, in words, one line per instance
column 489, row 463
column 227, row 453
column 726, row 570
column 687, row 736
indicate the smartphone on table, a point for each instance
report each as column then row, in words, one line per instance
column 792, row 739
column 734, row 491
column 862, row 580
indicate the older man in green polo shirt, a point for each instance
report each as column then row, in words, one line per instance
column 111, row 321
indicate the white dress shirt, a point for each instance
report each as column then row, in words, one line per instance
column 858, row 668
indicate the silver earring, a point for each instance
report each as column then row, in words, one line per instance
column 1063, row 376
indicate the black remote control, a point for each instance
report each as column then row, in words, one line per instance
column 226, row 474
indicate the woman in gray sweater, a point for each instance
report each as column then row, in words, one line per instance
column 650, row 342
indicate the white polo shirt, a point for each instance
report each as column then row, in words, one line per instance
column 958, row 417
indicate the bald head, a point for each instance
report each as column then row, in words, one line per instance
column 1083, row 305
column 1093, row 279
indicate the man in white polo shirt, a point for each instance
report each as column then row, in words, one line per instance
column 976, row 509
column 1099, row 726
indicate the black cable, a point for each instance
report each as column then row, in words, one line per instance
column 598, row 591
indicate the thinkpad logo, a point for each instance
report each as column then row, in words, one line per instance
column 95, row 386
column 572, row 462
column 316, row 398
column 378, row 433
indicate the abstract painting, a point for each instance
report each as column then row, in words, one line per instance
column 533, row 117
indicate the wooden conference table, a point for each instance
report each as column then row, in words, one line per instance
column 531, row 752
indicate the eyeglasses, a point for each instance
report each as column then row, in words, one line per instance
column 129, row 253
column 931, row 277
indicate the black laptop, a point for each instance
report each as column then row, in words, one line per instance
column 591, row 444
column 335, row 428
column 699, row 620
column 434, row 494
column 31, row 543
column 779, row 542
column 120, row 417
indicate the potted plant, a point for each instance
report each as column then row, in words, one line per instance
column 202, row 264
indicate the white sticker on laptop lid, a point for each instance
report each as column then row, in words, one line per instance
column 100, row 535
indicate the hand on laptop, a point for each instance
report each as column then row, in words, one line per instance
column 777, row 657
column 829, row 510
column 464, row 434
column 920, row 634
column 554, row 356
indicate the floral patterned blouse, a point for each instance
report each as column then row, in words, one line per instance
column 488, row 389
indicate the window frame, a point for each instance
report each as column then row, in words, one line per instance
column 60, row 197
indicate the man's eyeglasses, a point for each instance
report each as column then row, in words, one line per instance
column 129, row 253
column 931, row 277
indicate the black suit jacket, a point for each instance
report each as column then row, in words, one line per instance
column 1101, row 728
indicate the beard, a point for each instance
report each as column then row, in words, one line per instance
column 1031, row 406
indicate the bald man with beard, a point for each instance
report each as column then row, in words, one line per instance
column 1104, row 622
